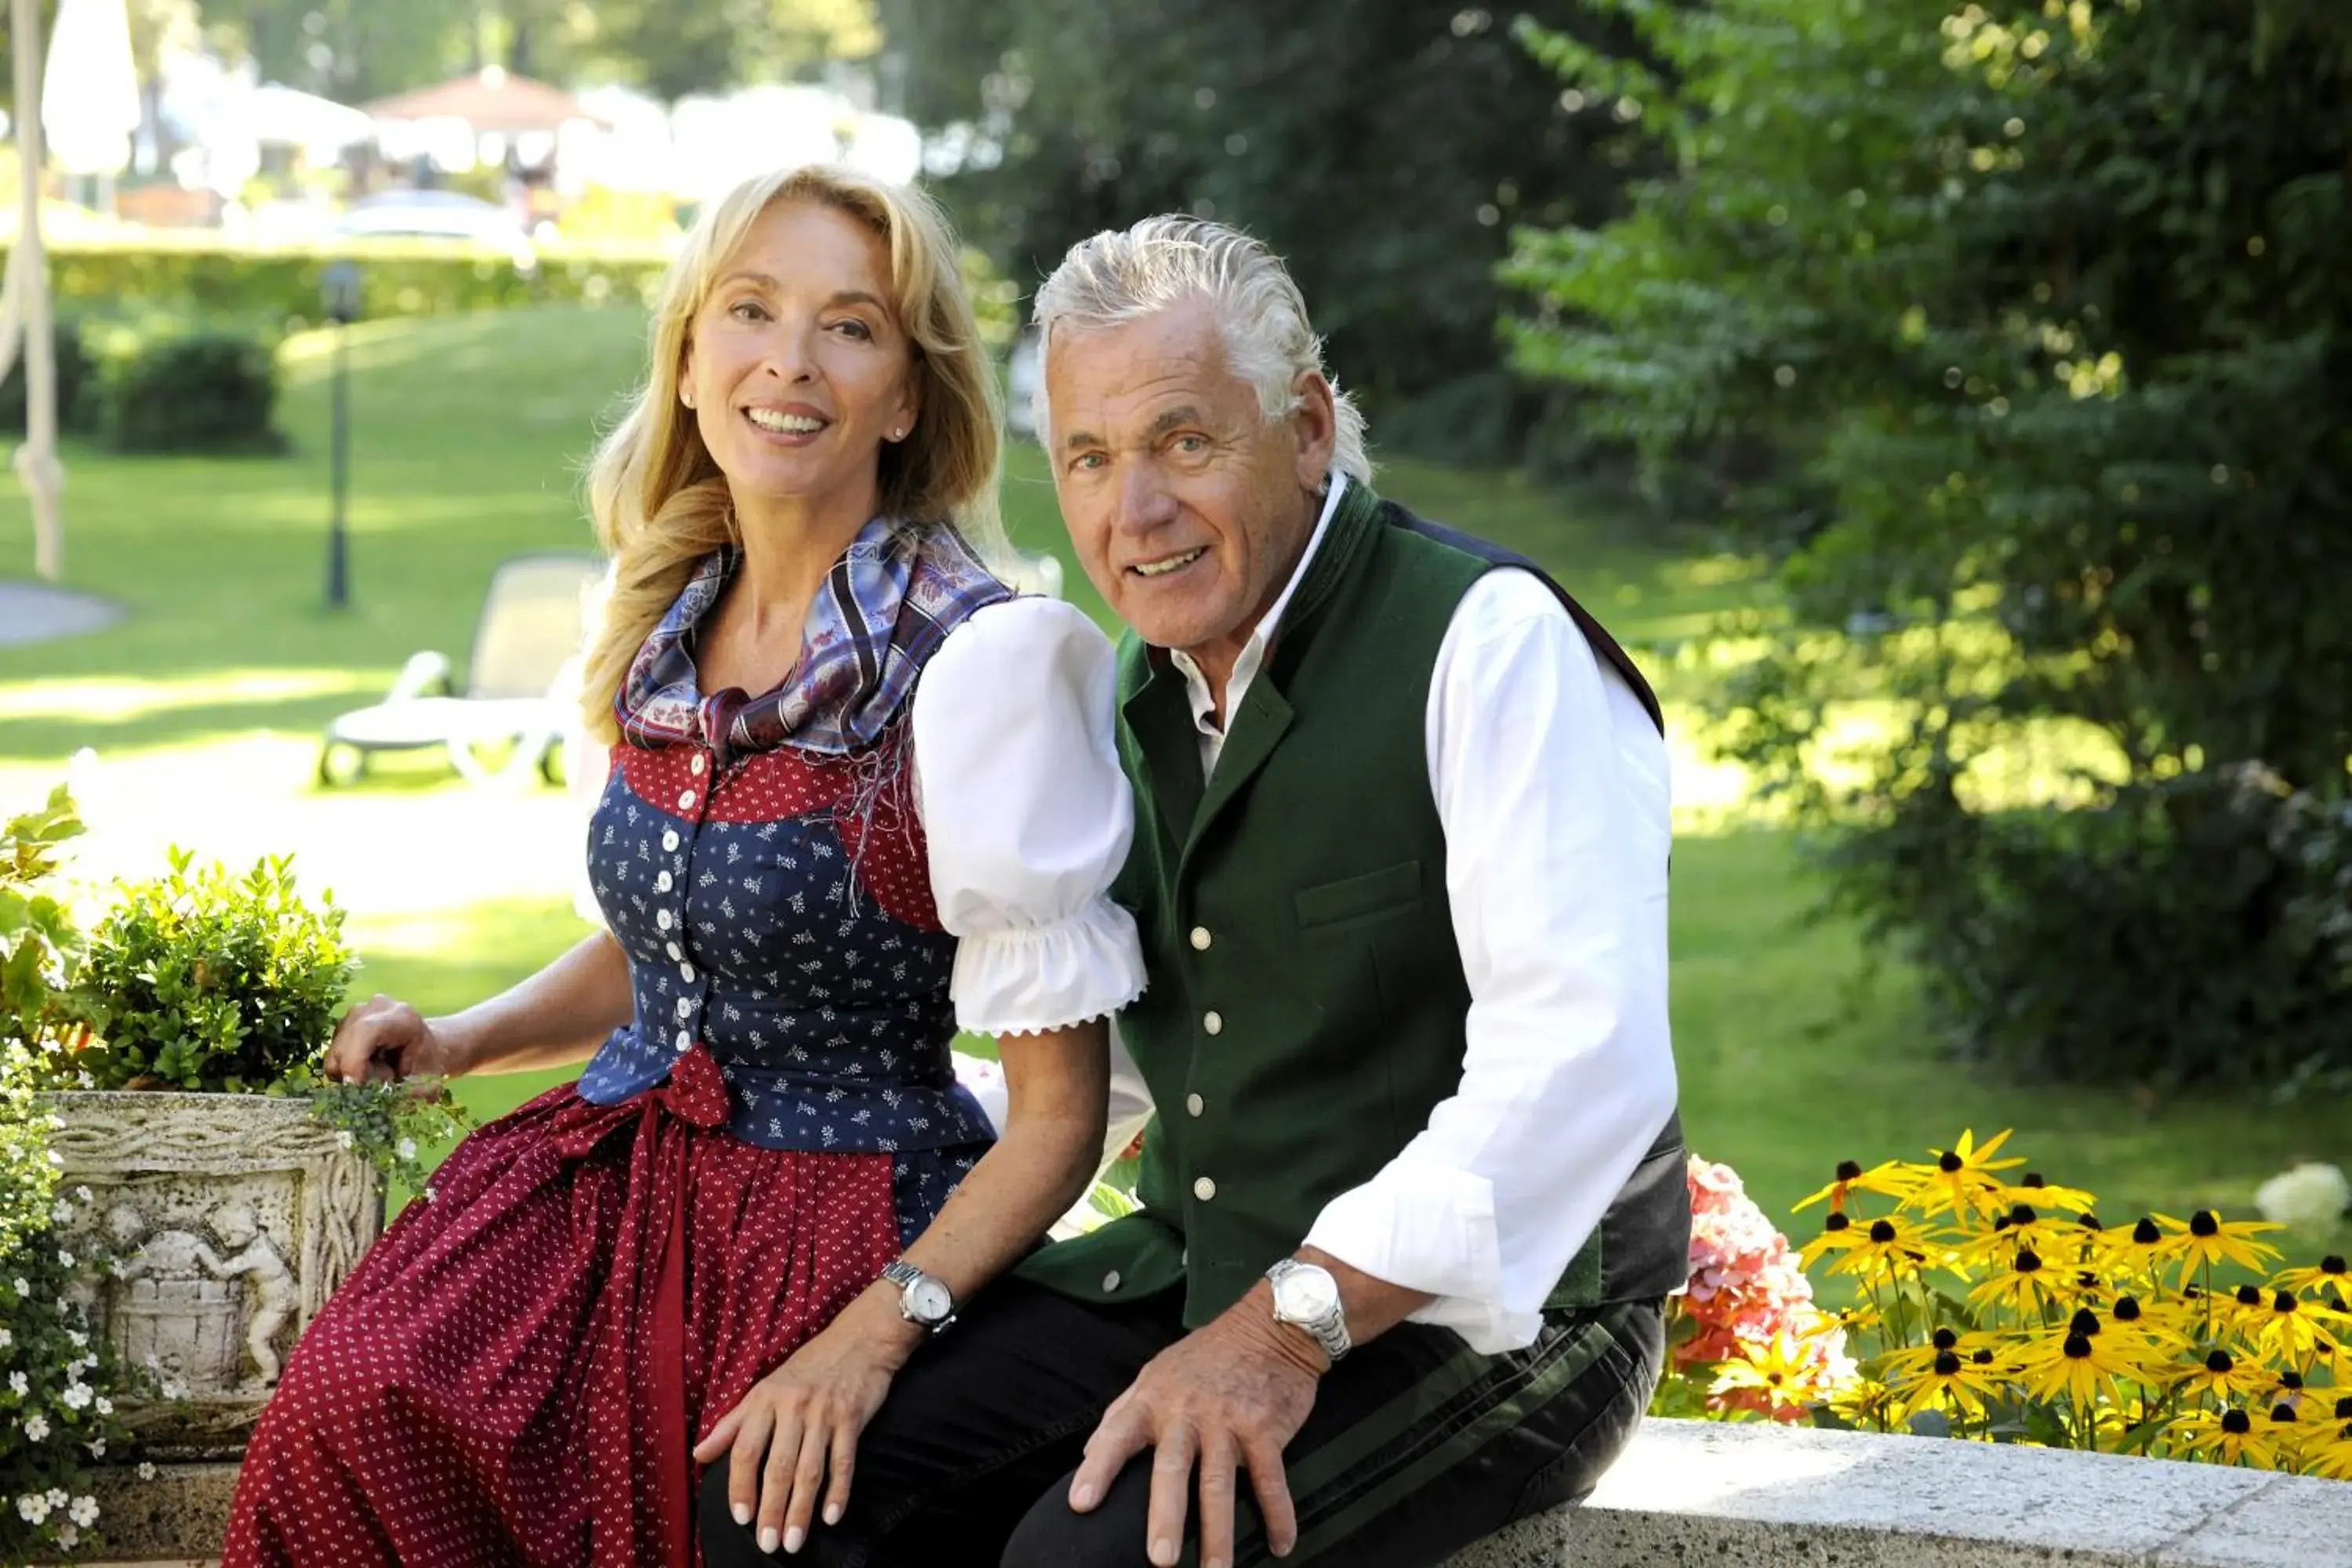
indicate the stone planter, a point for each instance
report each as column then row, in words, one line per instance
column 233, row 1217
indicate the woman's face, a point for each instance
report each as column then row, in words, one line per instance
column 796, row 368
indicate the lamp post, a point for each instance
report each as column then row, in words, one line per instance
column 341, row 289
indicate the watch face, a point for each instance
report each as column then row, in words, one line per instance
column 929, row 1300
column 1306, row 1294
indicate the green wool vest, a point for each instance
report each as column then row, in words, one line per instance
column 1306, row 1003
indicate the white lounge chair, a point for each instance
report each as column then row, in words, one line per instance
column 520, row 683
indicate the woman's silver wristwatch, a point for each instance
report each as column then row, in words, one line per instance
column 1307, row 1297
column 923, row 1299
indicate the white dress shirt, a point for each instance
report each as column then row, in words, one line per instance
column 1551, row 786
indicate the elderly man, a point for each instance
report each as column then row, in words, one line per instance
column 1414, row 1193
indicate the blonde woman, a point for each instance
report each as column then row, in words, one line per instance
column 860, row 794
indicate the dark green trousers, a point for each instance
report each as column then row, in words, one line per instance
column 1416, row 1445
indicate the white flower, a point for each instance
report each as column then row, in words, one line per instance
column 408, row 1150
column 57, row 1159
column 78, row 1397
column 81, row 1341
column 24, row 1287
column 82, row 1195
column 430, row 1194
column 67, row 1537
column 18, row 1385
column 344, row 1137
column 146, row 1471
column 84, row 1512
column 97, row 1446
column 34, row 1507
column 36, row 1427
column 104, row 1406
column 58, row 1498
column 65, row 1259
column 175, row 1388
column 62, row 1213
column 2311, row 1195
column 7, row 1339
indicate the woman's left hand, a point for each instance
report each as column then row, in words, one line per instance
column 796, row 1434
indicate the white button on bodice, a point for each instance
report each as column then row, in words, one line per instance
column 1214, row 1023
column 1204, row 1189
column 1200, row 939
column 1194, row 1104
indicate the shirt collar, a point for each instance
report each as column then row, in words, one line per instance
column 1253, row 654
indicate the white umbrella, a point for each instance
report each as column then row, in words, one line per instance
column 320, row 126
column 89, row 95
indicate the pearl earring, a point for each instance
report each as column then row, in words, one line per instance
column 898, row 435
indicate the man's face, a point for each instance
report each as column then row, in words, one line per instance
column 1188, row 508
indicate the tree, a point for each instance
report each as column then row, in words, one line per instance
column 1383, row 146
column 678, row 47
column 2041, row 313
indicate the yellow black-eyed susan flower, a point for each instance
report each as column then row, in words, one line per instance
column 1838, row 1233
column 2329, row 1278
column 2226, row 1437
column 2209, row 1239
column 2082, row 1366
column 2218, row 1376
column 2289, row 1329
column 1889, row 1178
column 1963, row 1343
column 2032, row 1189
column 1963, row 1182
column 2136, row 1251
column 2027, row 1286
column 1891, row 1247
column 1951, row 1382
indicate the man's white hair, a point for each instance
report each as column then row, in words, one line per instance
column 1125, row 275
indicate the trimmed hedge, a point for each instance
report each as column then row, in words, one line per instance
column 212, row 390
column 402, row 277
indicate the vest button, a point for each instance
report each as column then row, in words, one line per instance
column 686, row 1007
column 1200, row 939
column 674, row 949
column 1214, row 1023
column 1204, row 1189
column 685, row 1041
column 1194, row 1105
column 669, row 839
column 662, row 883
column 1110, row 1281
column 684, row 971
column 663, row 918
column 686, row 801
column 696, row 765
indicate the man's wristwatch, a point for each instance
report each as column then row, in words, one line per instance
column 923, row 1299
column 1307, row 1297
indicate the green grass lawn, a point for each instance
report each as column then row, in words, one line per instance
column 204, row 706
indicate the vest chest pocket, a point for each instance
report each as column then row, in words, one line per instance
column 1392, row 889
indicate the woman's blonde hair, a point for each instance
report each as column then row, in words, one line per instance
column 659, row 502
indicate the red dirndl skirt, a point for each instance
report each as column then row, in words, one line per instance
column 518, row 1370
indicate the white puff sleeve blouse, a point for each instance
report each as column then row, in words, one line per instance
column 1027, row 816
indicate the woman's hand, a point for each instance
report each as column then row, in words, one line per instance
column 382, row 1038
column 796, row 1433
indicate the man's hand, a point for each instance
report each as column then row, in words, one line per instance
column 1228, row 1396
column 796, row 1434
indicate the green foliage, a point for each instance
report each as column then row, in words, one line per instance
column 80, row 407
column 2020, row 331
column 55, row 1415
column 1383, row 148
column 212, row 390
column 397, row 278
column 40, row 949
column 205, row 980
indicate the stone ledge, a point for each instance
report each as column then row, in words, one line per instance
column 1690, row 1492
column 1749, row 1496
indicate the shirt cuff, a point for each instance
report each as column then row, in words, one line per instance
column 1431, row 1228
column 1027, row 980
